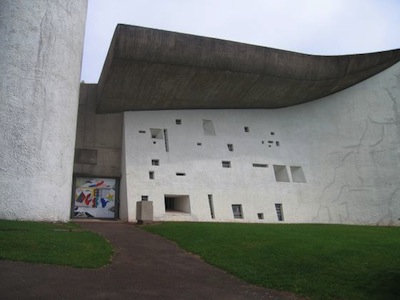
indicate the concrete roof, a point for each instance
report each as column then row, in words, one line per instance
column 149, row 69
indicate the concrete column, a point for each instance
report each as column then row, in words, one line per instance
column 41, row 44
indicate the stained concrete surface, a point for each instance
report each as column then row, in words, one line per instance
column 145, row 266
column 150, row 69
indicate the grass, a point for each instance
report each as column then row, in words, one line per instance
column 316, row 261
column 64, row 244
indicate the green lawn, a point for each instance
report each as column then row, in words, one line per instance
column 317, row 261
column 64, row 244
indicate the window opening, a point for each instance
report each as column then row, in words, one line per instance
column 246, row 129
column 208, row 127
column 226, row 164
column 279, row 211
column 180, row 174
column 260, row 216
column 281, row 174
column 230, row 147
column 178, row 121
column 211, row 204
column 166, row 140
column 297, row 174
column 177, row 203
column 272, row 133
column 260, row 165
column 237, row 211
column 155, row 162
column 151, row 175
column 142, row 131
column 277, row 143
column 199, row 144
column 156, row 133
column 145, row 198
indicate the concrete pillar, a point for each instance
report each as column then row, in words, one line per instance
column 144, row 212
column 41, row 45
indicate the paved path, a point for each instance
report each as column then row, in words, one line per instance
column 145, row 266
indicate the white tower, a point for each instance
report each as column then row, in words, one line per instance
column 41, row 44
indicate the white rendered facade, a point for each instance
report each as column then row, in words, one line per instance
column 41, row 44
column 346, row 145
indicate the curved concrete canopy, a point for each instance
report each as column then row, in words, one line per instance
column 149, row 69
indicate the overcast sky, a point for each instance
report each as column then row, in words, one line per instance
column 326, row 27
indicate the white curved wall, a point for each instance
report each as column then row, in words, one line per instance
column 348, row 145
column 41, row 45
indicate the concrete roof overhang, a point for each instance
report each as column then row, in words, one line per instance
column 149, row 69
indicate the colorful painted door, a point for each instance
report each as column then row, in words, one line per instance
column 95, row 198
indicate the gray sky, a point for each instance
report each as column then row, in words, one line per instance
column 326, row 27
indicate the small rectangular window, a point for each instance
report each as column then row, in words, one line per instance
column 260, row 216
column 166, row 140
column 211, row 204
column 279, row 211
column 199, row 144
column 155, row 162
column 226, row 164
column 151, row 175
column 246, row 129
column 272, row 133
column 230, row 147
column 145, row 198
column 180, row 174
column 237, row 211
column 277, row 143
column 142, row 131
column 260, row 165
column 178, row 121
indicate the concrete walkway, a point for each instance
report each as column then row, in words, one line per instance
column 145, row 266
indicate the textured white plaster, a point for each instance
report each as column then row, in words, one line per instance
column 347, row 145
column 41, row 45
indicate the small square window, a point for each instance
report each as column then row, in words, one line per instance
column 145, row 198
column 230, row 147
column 260, row 216
column 155, row 162
column 178, row 121
column 156, row 133
column 237, row 211
column 199, row 144
column 246, row 129
column 226, row 164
